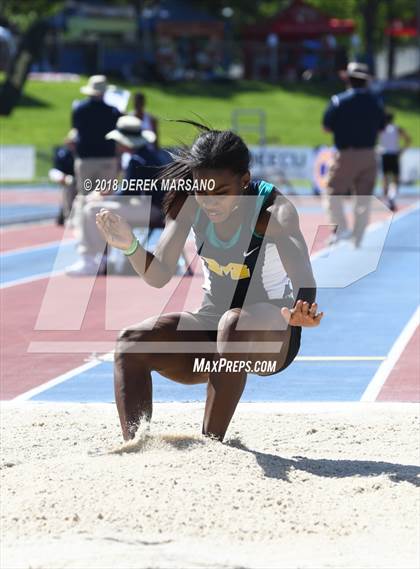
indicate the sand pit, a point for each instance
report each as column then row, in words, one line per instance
column 291, row 487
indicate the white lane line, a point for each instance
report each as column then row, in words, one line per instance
column 74, row 372
column 26, row 225
column 33, row 278
column 75, row 347
column 109, row 357
column 39, row 276
column 384, row 370
column 39, row 247
column 260, row 407
column 56, row 381
column 340, row 358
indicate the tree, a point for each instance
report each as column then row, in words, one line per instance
column 24, row 14
column 34, row 27
column 372, row 17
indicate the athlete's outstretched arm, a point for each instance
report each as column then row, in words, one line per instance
column 155, row 268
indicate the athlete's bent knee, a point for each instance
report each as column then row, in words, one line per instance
column 130, row 339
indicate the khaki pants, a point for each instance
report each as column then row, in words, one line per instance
column 88, row 170
column 353, row 169
column 69, row 193
column 137, row 211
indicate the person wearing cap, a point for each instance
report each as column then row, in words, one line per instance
column 355, row 117
column 131, row 203
column 93, row 118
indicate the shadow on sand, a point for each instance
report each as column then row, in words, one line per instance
column 277, row 467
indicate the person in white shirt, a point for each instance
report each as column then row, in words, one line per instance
column 389, row 143
column 149, row 121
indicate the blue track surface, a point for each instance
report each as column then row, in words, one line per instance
column 302, row 381
column 363, row 319
column 40, row 260
column 18, row 213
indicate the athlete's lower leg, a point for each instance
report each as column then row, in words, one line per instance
column 134, row 364
column 224, row 391
column 132, row 386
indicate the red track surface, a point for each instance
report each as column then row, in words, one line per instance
column 403, row 383
column 19, row 237
column 125, row 299
column 26, row 197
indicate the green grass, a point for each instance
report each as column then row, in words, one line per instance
column 293, row 112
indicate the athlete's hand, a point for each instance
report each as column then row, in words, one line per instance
column 303, row 314
column 115, row 230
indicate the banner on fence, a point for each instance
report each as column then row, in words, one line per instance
column 312, row 164
column 17, row 163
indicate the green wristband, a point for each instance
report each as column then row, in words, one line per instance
column 133, row 247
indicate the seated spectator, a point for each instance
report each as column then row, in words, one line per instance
column 63, row 173
column 132, row 204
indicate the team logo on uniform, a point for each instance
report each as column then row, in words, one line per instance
column 236, row 271
column 246, row 253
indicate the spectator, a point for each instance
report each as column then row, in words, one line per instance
column 149, row 121
column 389, row 143
column 355, row 118
column 63, row 174
column 131, row 204
column 145, row 163
column 93, row 118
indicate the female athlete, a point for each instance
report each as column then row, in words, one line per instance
column 259, row 290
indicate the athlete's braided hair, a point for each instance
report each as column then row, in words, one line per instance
column 213, row 150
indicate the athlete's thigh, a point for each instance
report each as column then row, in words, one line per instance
column 263, row 316
column 262, row 329
column 275, row 333
column 177, row 339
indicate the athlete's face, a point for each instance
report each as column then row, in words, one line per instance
column 219, row 203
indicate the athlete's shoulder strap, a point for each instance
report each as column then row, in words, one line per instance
column 262, row 190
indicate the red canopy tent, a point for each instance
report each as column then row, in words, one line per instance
column 299, row 21
column 399, row 29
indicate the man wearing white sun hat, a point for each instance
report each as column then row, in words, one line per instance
column 131, row 204
column 354, row 117
column 93, row 118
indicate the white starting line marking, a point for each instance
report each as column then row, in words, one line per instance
column 110, row 358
